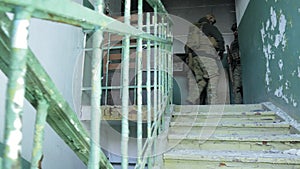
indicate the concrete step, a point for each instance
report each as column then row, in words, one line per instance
column 250, row 128
column 232, row 136
column 230, row 124
column 227, row 114
column 219, row 108
column 201, row 159
column 234, row 142
column 227, row 119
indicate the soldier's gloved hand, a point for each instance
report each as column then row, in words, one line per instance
column 221, row 54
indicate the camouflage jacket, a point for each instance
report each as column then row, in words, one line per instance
column 211, row 31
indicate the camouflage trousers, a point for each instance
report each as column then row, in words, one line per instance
column 237, row 85
column 206, row 75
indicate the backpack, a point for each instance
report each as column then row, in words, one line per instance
column 198, row 42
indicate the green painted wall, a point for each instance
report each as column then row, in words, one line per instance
column 269, row 36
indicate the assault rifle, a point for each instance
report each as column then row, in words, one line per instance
column 229, row 61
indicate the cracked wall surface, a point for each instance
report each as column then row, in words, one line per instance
column 269, row 42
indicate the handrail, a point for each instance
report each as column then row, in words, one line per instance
column 76, row 15
column 70, row 129
column 160, row 8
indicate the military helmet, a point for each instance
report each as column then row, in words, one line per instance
column 211, row 18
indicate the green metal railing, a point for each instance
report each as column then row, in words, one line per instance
column 28, row 79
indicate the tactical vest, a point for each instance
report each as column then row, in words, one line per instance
column 199, row 43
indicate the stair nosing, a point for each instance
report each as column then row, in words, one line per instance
column 249, row 125
column 205, row 113
column 232, row 137
column 233, row 156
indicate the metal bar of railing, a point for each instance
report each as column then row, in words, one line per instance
column 16, row 89
column 160, row 96
column 149, row 102
column 40, row 122
column 161, row 84
column 161, row 101
column 76, row 15
column 125, row 97
column 171, row 66
column 135, row 77
column 69, row 127
column 125, row 90
column 166, row 68
column 166, row 61
column 115, row 87
column 125, row 86
column 169, row 73
column 155, row 80
column 139, row 84
column 96, row 92
column 85, row 33
column 160, row 8
column 163, row 58
column 120, row 47
column 106, row 68
column 149, row 144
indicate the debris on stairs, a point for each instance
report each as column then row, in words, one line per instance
column 232, row 136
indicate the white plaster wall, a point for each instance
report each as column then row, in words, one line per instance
column 57, row 47
column 186, row 12
column 241, row 6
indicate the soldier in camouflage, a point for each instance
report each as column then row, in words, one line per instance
column 204, row 41
column 236, row 67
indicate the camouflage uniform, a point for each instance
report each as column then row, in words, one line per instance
column 213, row 34
column 236, row 72
column 203, row 65
column 197, row 80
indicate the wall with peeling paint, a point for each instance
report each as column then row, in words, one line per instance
column 270, row 53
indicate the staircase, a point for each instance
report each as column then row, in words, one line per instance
column 243, row 136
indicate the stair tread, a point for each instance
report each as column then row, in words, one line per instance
column 231, row 124
column 226, row 107
column 235, row 137
column 245, row 113
column 270, row 156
